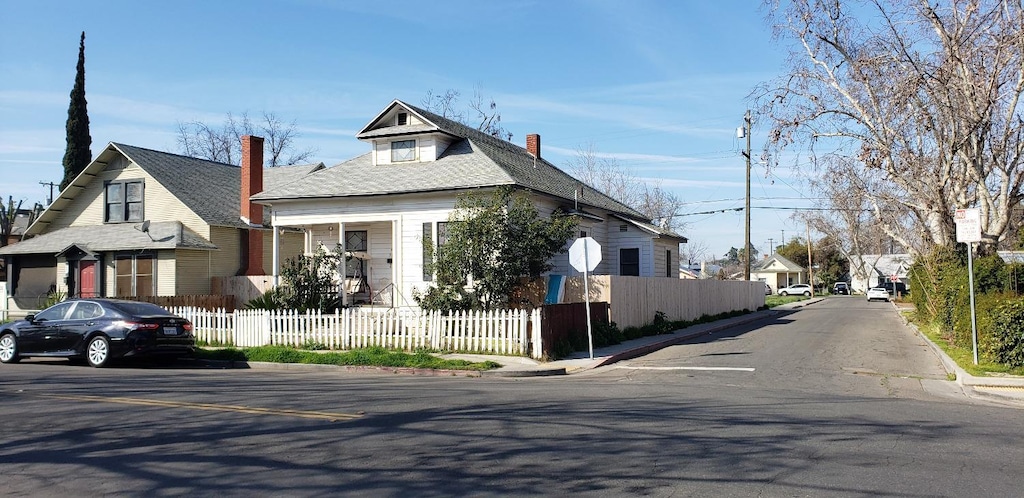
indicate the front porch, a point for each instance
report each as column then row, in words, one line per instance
column 371, row 274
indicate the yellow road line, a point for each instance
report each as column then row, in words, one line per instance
column 206, row 406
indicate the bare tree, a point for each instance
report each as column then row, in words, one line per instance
column 694, row 252
column 614, row 180
column 485, row 114
column 445, row 104
column 8, row 213
column 914, row 105
column 224, row 144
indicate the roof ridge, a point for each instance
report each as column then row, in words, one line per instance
column 472, row 134
column 183, row 156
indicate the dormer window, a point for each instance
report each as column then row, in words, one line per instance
column 403, row 119
column 403, row 151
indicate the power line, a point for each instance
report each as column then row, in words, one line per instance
column 779, row 208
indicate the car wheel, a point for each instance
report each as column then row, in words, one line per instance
column 784, row 293
column 9, row 349
column 807, row 293
column 97, row 353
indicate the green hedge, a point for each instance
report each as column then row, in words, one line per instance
column 940, row 291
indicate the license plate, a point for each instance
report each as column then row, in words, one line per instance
column 170, row 330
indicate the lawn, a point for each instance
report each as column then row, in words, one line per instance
column 776, row 300
column 378, row 357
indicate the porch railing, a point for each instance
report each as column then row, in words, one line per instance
column 503, row 332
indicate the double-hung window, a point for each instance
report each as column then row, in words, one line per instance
column 629, row 262
column 124, row 201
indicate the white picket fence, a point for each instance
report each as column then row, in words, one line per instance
column 504, row 332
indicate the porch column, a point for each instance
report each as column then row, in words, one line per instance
column 397, row 258
column 276, row 264
column 344, row 265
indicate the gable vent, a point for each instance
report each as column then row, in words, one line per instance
column 623, row 228
column 403, row 119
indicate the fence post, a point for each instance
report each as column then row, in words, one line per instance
column 535, row 325
column 265, row 323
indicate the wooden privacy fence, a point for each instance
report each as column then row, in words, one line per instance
column 204, row 301
column 635, row 300
column 504, row 332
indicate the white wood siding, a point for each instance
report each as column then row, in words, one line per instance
column 660, row 247
column 379, row 215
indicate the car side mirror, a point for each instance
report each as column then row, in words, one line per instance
column 30, row 318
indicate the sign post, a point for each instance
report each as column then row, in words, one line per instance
column 584, row 255
column 968, row 230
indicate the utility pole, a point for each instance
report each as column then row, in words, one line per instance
column 741, row 133
column 810, row 262
column 49, row 200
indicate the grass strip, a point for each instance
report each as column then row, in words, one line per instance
column 374, row 356
column 964, row 357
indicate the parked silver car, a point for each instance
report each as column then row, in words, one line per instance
column 796, row 290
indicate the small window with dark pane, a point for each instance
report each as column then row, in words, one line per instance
column 629, row 262
column 403, row 119
column 124, row 201
column 355, row 240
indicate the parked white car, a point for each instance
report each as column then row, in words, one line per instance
column 878, row 293
column 796, row 290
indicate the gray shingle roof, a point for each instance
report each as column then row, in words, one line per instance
column 656, row 230
column 209, row 188
column 475, row 160
column 113, row 237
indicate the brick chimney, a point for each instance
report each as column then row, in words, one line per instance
column 252, row 213
column 533, row 144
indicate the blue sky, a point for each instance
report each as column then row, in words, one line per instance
column 660, row 86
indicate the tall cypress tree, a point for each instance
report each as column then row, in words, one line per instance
column 78, row 152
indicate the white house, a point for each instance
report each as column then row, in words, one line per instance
column 875, row 270
column 778, row 272
column 382, row 205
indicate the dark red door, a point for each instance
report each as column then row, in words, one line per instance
column 87, row 278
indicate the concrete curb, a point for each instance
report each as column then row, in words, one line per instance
column 260, row 365
column 976, row 385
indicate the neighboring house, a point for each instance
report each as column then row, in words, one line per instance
column 22, row 219
column 876, row 270
column 778, row 272
column 382, row 206
column 702, row 270
column 138, row 222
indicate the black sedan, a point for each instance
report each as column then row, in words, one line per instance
column 97, row 330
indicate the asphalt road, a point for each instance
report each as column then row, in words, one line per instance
column 836, row 399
